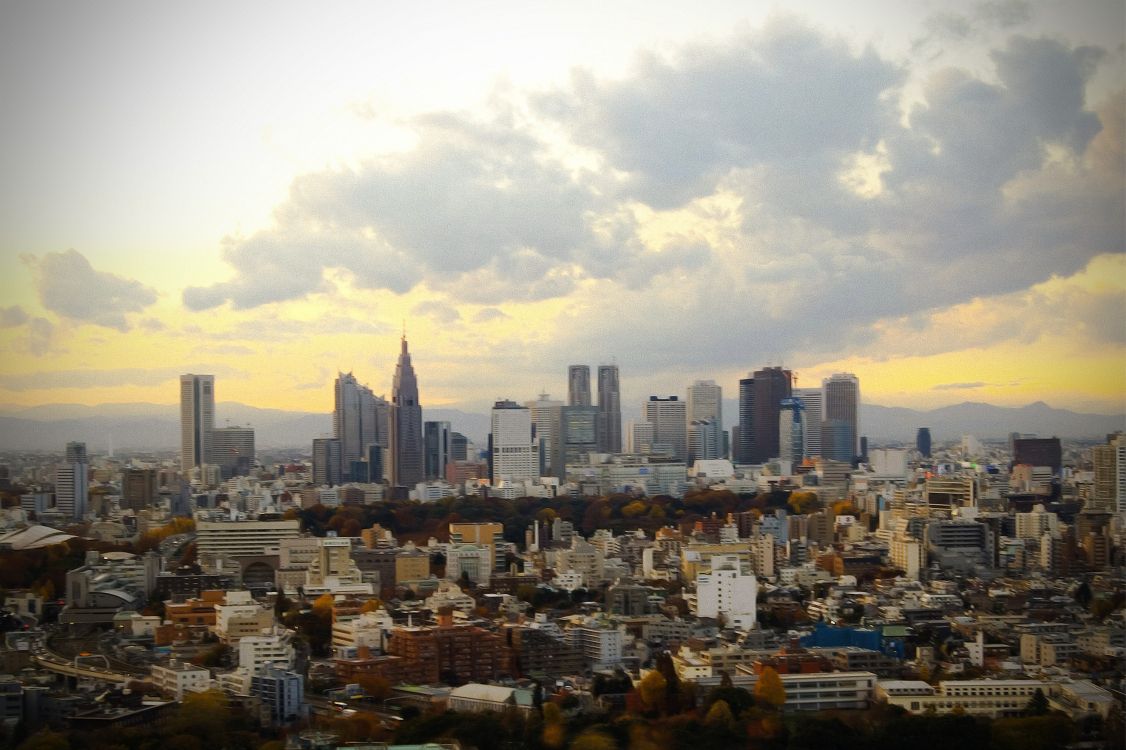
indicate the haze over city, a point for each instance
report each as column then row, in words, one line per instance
column 927, row 195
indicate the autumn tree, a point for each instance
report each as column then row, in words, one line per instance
column 769, row 690
column 719, row 715
column 652, row 689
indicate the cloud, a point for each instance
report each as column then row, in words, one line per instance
column 13, row 316
column 959, row 386
column 92, row 378
column 441, row 312
column 489, row 314
column 69, row 286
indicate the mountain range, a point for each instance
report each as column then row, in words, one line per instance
column 156, row 426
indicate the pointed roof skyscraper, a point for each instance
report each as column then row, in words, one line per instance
column 406, row 430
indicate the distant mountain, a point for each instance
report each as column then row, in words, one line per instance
column 157, row 426
column 893, row 423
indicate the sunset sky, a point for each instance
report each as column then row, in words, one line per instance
column 929, row 195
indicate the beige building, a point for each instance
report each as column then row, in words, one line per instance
column 178, row 677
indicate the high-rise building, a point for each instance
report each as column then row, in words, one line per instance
column 609, row 410
column 791, row 430
column 197, row 420
column 576, row 436
column 72, row 483
column 840, row 426
column 232, row 450
column 545, row 425
column 1109, row 460
column 359, row 419
column 760, row 398
column 705, row 401
column 670, row 428
column 923, row 441
column 513, row 455
column 811, row 403
column 459, row 447
column 406, row 417
column 436, row 436
column 139, row 489
column 326, row 461
column 578, row 385
column 705, row 441
column 1038, row 452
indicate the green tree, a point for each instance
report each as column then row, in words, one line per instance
column 1037, row 704
column 719, row 715
column 45, row 740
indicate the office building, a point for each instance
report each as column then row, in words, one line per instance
column 436, row 439
column 232, row 450
column 139, row 489
column 406, row 417
column 282, row 695
column 923, row 441
column 578, row 385
column 359, row 419
column 577, row 436
column 705, row 401
column 326, row 462
column 197, row 420
column 670, row 428
column 811, row 399
column 459, row 447
column 545, row 428
column 760, row 398
column 840, row 426
column 727, row 591
column 791, row 430
column 223, row 540
column 1038, row 452
column 705, row 441
column 514, row 457
column 609, row 410
column 72, row 497
column 1109, row 491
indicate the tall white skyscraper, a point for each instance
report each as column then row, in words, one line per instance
column 811, row 399
column 840, row 426
column 545, row 419
column 791, row 430
column 197, row 420
column 514, row 456
column 705, row 407
column 670, row 428
column 72, row 483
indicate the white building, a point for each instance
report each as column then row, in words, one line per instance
column 727, row 591
column 668, row 415
column 515, row 458
column 257, row 651
column 177, row 678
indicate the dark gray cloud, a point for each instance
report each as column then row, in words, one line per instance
column 92, row 378
column 13, row 316
column 69, row 286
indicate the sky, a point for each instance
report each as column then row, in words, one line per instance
column 928, row 195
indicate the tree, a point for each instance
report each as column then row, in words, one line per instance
column 46, row 740
column 374, row 685
column 371, row 605
column 593, row 740
column 769, row 689
column 1037, row 704
column 322, row 606
column 804, row 502
column 719, row 715
column 652, row 689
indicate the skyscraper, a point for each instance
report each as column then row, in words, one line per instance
column 355, row 421
column 609, row 410
column 811, row 401
column 578, row 385
column 72, row 483
column 436, row 436
column 923, row 441
column 760, row 398
column 513, row 456
column 232, row 450
column 326, row 461
column 705, row 407
column 670, row 428
column 840, row 425
column 791, row 430
column 576, row 435
column 197, row 420
column 406, row 419
column 545, row 423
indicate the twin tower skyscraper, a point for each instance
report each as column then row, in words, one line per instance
column 609, row 416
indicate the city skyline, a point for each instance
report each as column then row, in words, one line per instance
column 937, row 209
